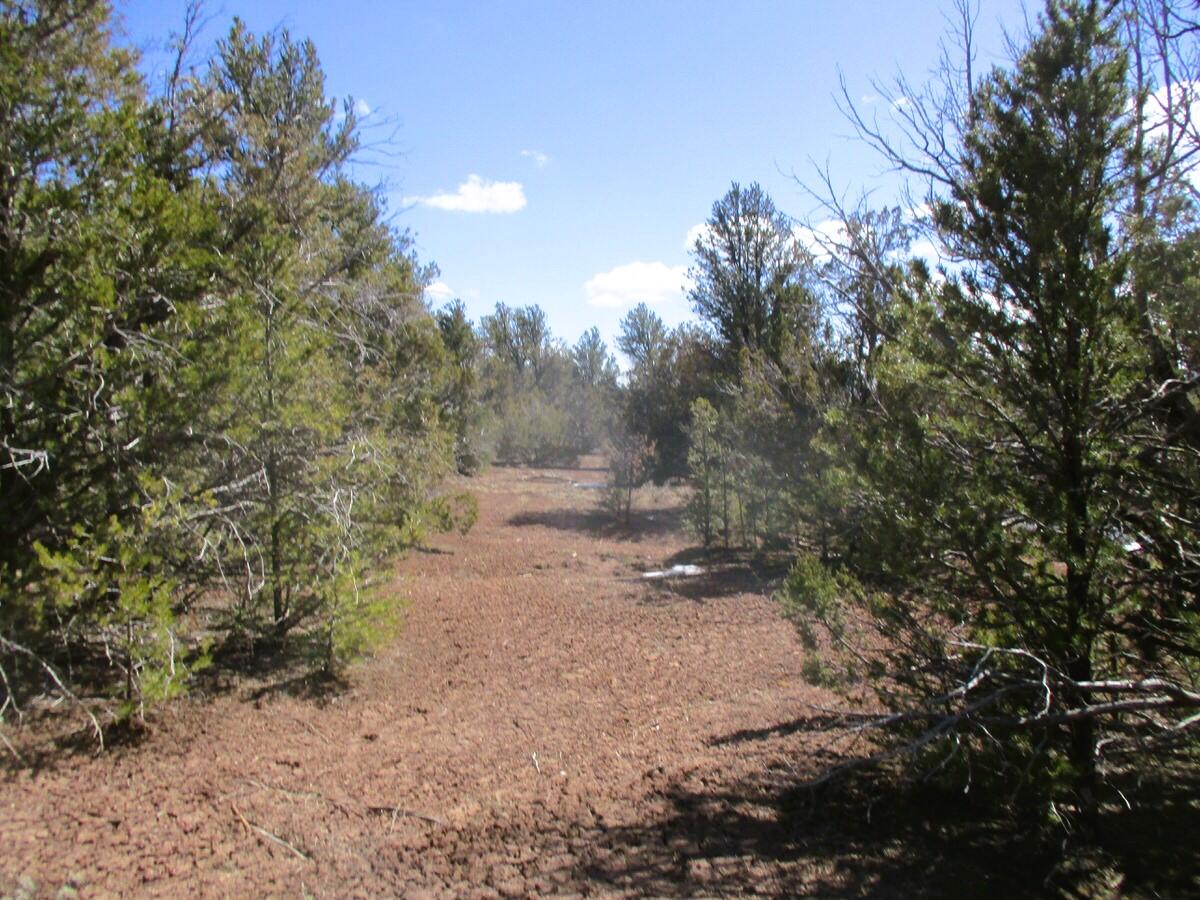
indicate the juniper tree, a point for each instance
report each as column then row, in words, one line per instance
column 1031, row 515
column 104, row 279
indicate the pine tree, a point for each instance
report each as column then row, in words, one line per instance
column 747, row 274
column 331, row 434
column 1020, row 447
column 705, row 464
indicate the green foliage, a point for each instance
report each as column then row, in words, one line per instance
column 326, row 304
column 772, row 372
column 643, row 338
column 815, row 599
column 1015, row 458
column 670, row 370
column 356, row 617
column 748, row 275
column 104, row 269
column 219, row 378
column 454, row 511
column 532, row 428
column 591, row 401
column 103, row 593
column 629, row 462
column 461, row 396
column 752, row 461
column 548, row 404
column 705, row 465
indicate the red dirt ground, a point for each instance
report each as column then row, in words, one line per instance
column 548, row 722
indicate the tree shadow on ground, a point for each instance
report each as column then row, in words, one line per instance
column 598, row 523
column 871, row 836
column 726, row 573
column 432, row 551
column 580, row 466
column 54, row 736
column 802, row 724
column 271, row 667
column 43, row 727
column 704, row 832
column 47, row 740
column 253, row 666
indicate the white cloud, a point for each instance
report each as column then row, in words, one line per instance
column 652, row 283
column 820, row 238
column 1181, row 101
column 927, row 249
column 440, row 292
column 694, row 234
column 537, row 156
column 362, row 108
column 478, row 195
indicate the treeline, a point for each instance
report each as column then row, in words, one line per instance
column 545, row 403
column 986, row 463
column 224, row 401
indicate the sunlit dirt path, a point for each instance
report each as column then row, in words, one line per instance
column 548, row 722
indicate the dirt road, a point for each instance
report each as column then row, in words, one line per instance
column 547, row 722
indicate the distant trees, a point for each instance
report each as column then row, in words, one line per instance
column 643, row 338
column 708, row 506
column 547, row 403
column 771, row 358
column 747, row 273
column 460, row 394
column 592, row 400
column 669, row 369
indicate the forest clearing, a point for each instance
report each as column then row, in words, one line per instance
column 527, row 732
column 548, row 722
column 857, row 555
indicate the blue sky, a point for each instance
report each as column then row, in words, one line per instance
column 558, row 153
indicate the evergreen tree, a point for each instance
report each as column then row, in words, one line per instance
column 332, row 431
column 670, row 369
column 278, row 150
column 1022, row 447
column 591, row 397
column 104, row 280
column 747, row 274
column 706, row 465
column 462, row 405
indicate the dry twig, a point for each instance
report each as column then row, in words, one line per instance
column 398, row 812
column 310, row 728
column 274, row 838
